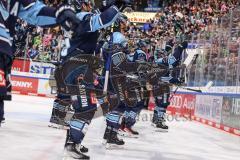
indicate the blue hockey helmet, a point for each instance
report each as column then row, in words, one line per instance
column 119, row 38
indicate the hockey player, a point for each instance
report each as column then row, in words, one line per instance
column 86, row 43
column 114, row 118
column 140, row 53
column 35, row 13
column 162, row 102
column 131, row 113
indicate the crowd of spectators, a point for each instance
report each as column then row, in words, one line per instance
column 36, row 43
column 182, row 20
column 194, row 20
column 213, row 25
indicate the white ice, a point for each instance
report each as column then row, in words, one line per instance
column 26, row 136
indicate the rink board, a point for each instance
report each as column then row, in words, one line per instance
column 33, row 84
column 219, row 110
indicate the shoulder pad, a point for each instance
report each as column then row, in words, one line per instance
column 84, row 15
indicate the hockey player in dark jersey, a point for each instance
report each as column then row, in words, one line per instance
column 83, row 104
column 161, row 101
column 131, row 113
column 172, row 60
column 84, row 44
column 114, row 118
column 35, row 13
column 140, row 54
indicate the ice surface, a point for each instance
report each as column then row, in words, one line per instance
column 25, row 136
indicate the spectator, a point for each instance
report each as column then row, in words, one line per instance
column 33, row 52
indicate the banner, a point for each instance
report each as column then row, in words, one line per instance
column 31, row 83
column 231, row 112
column 140, row 17
column 24, row 85
column 209, row 107
column 183, row 104
column 20, row 65
column 42, row 68
column 32, row 67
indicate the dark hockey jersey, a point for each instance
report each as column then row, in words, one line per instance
column 91, row 24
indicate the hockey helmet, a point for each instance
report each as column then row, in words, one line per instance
column 77, row 4
column 119, row 38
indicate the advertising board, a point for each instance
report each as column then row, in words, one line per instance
column 182, row 103
column 231, row 112
column 209, row 107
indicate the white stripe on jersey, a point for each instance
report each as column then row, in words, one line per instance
column 6, row 40
column 30, row 5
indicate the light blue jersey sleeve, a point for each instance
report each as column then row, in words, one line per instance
column 93, row 22
column 37, row 13
column 5, row 39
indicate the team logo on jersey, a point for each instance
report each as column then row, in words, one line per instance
column 93, row 98
column 2, row 79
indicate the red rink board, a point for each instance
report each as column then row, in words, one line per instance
column 21, row 65
column 24, row 85
column 183, row 104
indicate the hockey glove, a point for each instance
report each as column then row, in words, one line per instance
column 177, row 81
column 66, row 17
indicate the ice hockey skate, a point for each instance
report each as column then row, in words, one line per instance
column 160, row 125
column 2, row 122
column 128, row 132
column 111, row 140
column 74, row 151
column 59, row 123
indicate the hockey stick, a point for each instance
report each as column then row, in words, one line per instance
column 105, row 88
column 205, row 88
column 108, row 65
column 190, row 89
